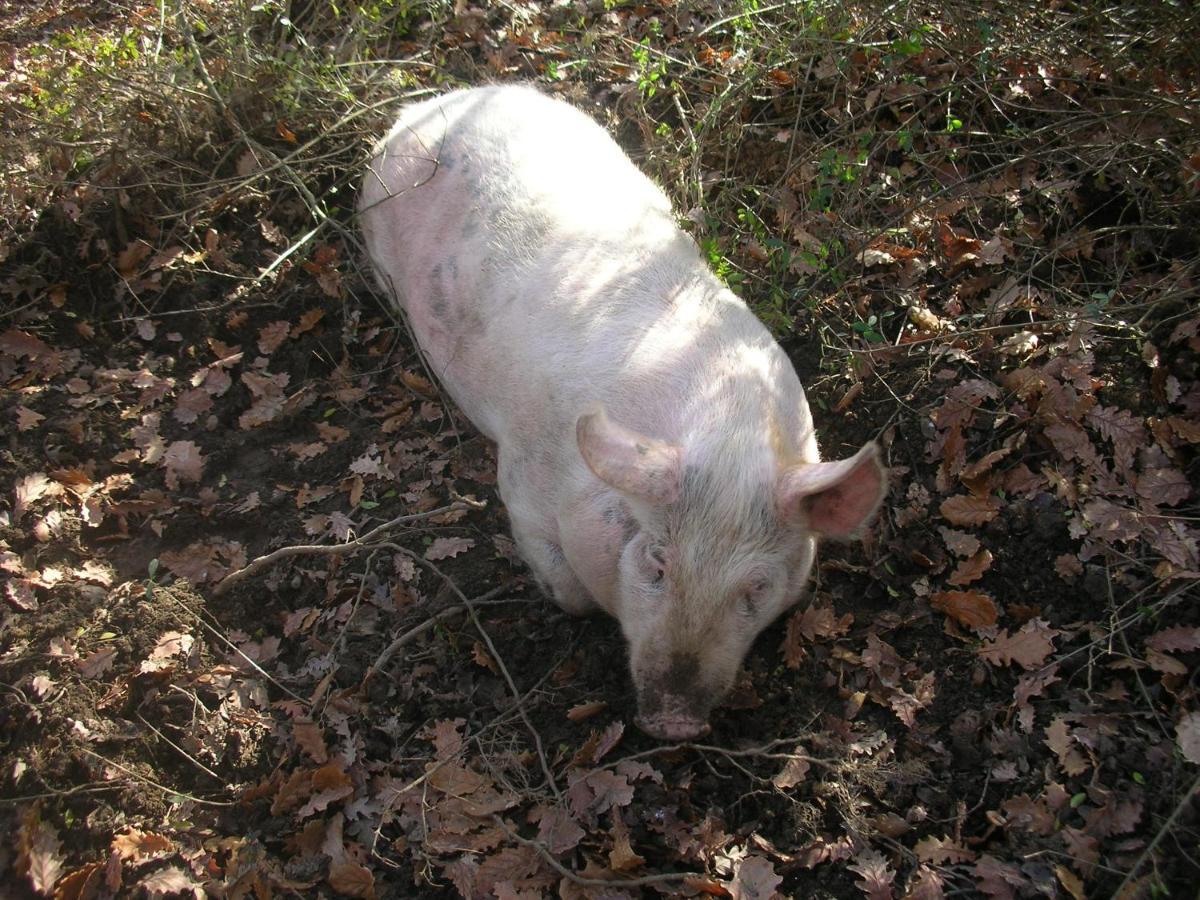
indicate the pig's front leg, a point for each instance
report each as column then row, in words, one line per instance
column 554, row 574
column 537, row 539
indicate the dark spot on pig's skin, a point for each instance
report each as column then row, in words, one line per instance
column 437, row 294
column 619, row 515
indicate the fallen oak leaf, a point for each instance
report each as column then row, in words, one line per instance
column 97, row 663
column 447, row 547
column 139, row 845
column 1028, row 648
column 756, row 879
column 40, row 855
column 971, row 569
column 352, row 880
column 1187, row 734
column 964, row 509
column 974, row 609
column 622, row 857
column 940, row 851
column 877, row 876
column 582, row 711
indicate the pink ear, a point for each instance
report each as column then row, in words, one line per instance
column 835, row 499
column 641, row 467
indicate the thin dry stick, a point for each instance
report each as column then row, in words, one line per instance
column 499, row 660
column 174, row 746
column 231, row 645
column 263, row 562
column 150, row 781
column 1162, row 832
column 417, row 630
column 592, row 882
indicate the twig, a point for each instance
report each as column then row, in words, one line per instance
column 1162, row 832
column 416, row 631
column 199, row 765
column 263, row 562
column 469, row 604
column 592, row 882
column 153, row 783
column 232, row 646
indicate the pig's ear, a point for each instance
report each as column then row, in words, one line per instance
column 834, row 499
column 639, row 466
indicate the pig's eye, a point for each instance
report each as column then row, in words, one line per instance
column 654, row 563
column 753, row 595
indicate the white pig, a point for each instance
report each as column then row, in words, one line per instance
column 656, row 452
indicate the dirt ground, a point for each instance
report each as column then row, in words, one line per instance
column 994, row 694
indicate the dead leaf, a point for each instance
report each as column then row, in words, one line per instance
column 969, row 510
column 1028, row 648
column 182, row 460
column 272, row 335
column 41, row 854
column 97, row 663
column 557, row 831
column 139, row 846
column 447, row 547
column 622, row 858
column 582, row 711
column 171, row 880
column 756, row 879
column 1187, row 733
column 877, row 876
column 960, row 543
column 1058, row 739
column 1071, row 882
column 971, row 569
column 352, row 880
column 998, row 879
column 484, row 659
column 973, row 609
column 83, row 883
column 794, row 771
column 310, row 737
column 940, row 851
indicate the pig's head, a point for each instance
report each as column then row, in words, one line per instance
column 722, row 543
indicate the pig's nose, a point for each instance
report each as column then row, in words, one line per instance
column 667, row 727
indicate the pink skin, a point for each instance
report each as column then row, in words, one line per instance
column 656, row 453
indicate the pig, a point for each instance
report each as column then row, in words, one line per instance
column 655, row 450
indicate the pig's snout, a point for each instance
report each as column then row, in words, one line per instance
column 674, row 698
column 673, row 727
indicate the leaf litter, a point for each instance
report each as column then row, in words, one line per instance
column 996, row 696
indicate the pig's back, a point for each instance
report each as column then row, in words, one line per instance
column 531, row 257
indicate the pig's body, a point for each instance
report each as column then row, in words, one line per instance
column 656, row 453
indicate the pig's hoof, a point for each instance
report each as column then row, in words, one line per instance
column 673, row 727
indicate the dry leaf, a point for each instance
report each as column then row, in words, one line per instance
column 756, row 880
column 140, row 846
column 96, row 663
column 447, row 547
column 622, row 858
column 971, row 569
column 1028, row 648
column 352, row 880
column 310, row 737
column 41, row 848
column 973, row 609
column 582, row 711
column 877, row 876
column 794, row 771
column 1187, row 732
column 969, row 510
column 171, row 880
